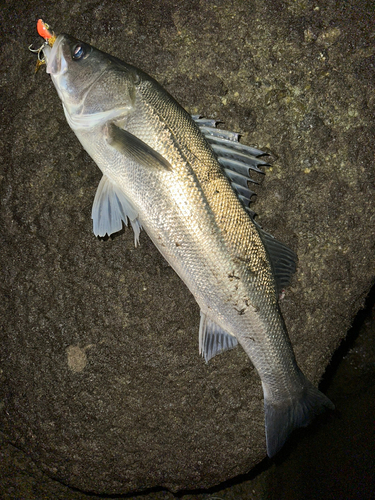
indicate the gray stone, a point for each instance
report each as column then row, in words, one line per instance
column 101, row 380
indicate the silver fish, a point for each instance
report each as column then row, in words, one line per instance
column 186, row 183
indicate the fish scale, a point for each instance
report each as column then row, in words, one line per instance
column 231, row 218
column 186, row 184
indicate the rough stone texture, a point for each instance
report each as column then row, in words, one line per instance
column 339, row 462
column 101, row 380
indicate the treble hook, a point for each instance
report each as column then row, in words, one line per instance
column 49, row 37
column 38, row 51
column 41, row 60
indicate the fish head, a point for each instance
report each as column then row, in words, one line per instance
column 92, row 85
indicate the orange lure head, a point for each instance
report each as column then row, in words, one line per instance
column 49, row 36
column 45, row 32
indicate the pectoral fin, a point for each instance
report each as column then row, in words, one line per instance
column 134, row 149
column 111, row 208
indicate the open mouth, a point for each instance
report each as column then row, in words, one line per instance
column 56, row 62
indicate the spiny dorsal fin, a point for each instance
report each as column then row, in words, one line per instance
column 236, row 159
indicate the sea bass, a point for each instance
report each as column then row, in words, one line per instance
column 186, row 183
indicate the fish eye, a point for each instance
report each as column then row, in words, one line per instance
column 78, row 52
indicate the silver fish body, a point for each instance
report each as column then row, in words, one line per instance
column 161, row 173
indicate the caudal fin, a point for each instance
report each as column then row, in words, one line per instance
column 283, row 416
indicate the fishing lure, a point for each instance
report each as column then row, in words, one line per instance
column 44, row 31
column 49, row 36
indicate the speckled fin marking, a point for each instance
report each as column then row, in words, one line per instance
column 213, row 339
column 236, row 159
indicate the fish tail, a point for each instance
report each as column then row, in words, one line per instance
column 283, row 416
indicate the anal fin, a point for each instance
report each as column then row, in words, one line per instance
column 213, row 339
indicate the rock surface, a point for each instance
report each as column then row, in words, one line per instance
column 101, row 380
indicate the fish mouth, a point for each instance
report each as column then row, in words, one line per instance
column 55, row 60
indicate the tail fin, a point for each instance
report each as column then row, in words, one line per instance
column 283, row 416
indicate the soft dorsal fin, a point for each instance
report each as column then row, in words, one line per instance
column 213, row 339
column 236, row 159
column 283, row 259
column 111, row 208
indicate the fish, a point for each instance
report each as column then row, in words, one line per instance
column 186, row 183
